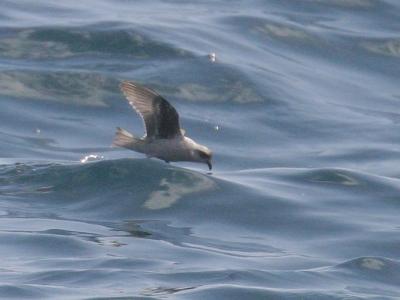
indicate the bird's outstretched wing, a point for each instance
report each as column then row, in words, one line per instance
column 160, row 118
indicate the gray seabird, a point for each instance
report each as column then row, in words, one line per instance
column 164, row 139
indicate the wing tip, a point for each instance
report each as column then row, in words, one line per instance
column 130, row 87
column 126, row 84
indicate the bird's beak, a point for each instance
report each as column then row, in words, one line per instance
column 209, row 164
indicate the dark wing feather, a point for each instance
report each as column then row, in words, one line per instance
column 160, row 118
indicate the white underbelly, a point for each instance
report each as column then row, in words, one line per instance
column 169, row 150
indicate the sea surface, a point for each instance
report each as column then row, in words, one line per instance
column 301, row 109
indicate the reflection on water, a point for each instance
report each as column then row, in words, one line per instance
column 335, row 177
column 389, row 47
column 68, row 87
column 175, row 187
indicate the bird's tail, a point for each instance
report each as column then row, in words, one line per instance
column 125, row 139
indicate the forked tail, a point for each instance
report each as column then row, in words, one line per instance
column 125, row 139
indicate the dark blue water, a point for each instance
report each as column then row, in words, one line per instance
column 301, row 109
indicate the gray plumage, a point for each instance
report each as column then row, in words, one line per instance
column 164, row 139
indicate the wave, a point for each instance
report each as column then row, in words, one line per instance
column 105, row 186
column 100, row 39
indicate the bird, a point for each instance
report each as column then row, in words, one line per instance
column 164, row 138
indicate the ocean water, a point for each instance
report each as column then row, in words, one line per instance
column 301, row 110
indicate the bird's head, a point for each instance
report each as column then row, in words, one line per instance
column 203, row 154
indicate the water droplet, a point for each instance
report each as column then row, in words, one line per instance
column 212, row 57
column 91, row 157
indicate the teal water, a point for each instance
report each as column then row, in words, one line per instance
column 301, row 110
